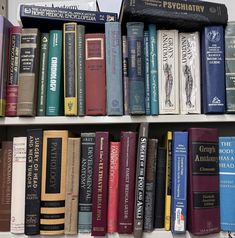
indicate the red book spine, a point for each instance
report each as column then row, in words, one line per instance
column 100, row 184
column 113, row 186
column 126, row 198
column 95, row 78
column 13, row 70
column 203, row 194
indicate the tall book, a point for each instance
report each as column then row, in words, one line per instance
column 114, row 91
column 33, row 181
column 146, row 72
column 203, row 181
column 168, row 71
column 85, row 182
column 100, row 184
column 54, row 105
column 6, row 155
column 18, row 185
column 54, row 162
column 213, row 72
column 28, row 75
column 179, row 181
column 13, row 70
column 190, row 73
column 135, row 41
column 227, row 189
column 72, row 186
column 70, row 68
column 126, row 195
column 95, row 74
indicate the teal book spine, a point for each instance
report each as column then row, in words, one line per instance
column 54, row 102
column 114, row 90
column 146, row 66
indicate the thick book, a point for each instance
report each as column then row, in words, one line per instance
column 174, row 14
column 114, row 91
column 18, row 185
column 146, row 72
column 126, row 195
column 100, row 184
column 6, row 154
column 33, row 181
column 95, row 77
column 85, row 182
column 54, row 163
column 213, row 69
column 203, row 181
column 13, row 70
column 179, row 181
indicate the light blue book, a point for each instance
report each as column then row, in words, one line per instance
column 146, row 64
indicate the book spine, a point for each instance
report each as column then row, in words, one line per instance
column 43, row 71
column 54, row 80
column 70, row 68
column 135, row 39
column 81, row 69
column 95, row 78
column 190, row 73
column 179, row 182
column 168, row 71
column 28, row 75
column 54, row 163
column 85, row 183
column 153, row 71
column 213, row 72
column 33, row 182
column 13, row 70
column 127, row 180
column 100, row 184
column 114, row 90
column 113, row 187
column 72, row 186
column 18, row 182
column 146, row 70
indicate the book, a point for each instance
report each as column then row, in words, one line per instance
column 85, row 182
column 168, row 71
column 113, row 44
column 13, row 70
column 54, row 98
column 100, row 184
column 213, row 72
column 6, row 154
column 18, row 182
column 179, row 181
column 146, row 71
column 190, row 73
column 54, row 163
column 186, row 15
column 95, row 77
column 33, row 181
column 28, row 74
column 203, row 181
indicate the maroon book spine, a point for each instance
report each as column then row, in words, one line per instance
column 126, row 199
column 95, row 78
column 100, row 184
column 203, row 195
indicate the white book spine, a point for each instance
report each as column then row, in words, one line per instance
column 168, row 73
column 190, row 73
column 18, row 185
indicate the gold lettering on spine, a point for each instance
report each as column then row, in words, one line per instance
column 183, row 6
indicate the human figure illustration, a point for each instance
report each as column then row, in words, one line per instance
column 188, row 85
column 168, row 83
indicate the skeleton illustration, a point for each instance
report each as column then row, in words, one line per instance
column 168, row 83
column 188, row 85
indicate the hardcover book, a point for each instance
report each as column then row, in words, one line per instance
column 146, row 71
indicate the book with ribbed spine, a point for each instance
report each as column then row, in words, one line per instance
column 146, row 71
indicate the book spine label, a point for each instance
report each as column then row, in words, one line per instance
column 135, row 39
column 213, row 72
column 33, row 181
column 43, row 71
column 114, row 90
column 13, row 71
column 168, row 72
column 70, row 69
column 190, row 73
column 146, row 67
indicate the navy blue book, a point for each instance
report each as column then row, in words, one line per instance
column 213, row 70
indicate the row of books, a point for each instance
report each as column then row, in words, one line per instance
column 89, row 183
